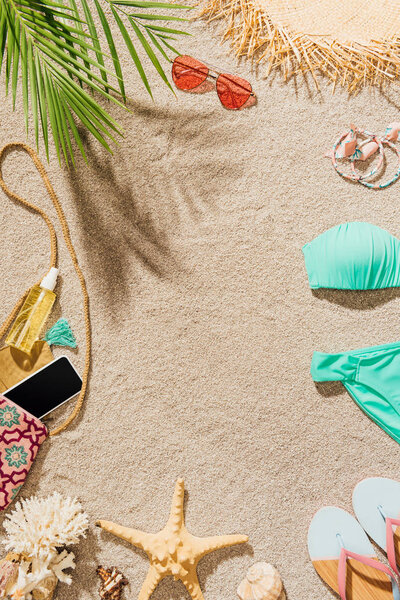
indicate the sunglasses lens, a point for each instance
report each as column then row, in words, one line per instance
column 188, row 73
column 233, row 91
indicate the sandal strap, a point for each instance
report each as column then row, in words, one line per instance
column 366, row 560
column 390, row 549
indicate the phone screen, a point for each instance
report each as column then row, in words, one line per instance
column 46, row 389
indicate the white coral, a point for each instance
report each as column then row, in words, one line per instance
column 27, row 580
column 38, row 526
column 64, row 560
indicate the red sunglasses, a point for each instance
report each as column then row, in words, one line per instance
column 189, row 73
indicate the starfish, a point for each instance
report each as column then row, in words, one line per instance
column 173, row 550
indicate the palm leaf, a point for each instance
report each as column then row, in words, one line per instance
column 150, row 52
column 166, row 44
column 10, row 47
column 69, row 86
column 16, row 54
column 53, row 48
column 3, row 35
column 167, row 30
column 25, row 86
column 33, row 89
column 42, row 102
column 157, row 45
column 93, row 32
column 72, row 126
column 150, row 17
column 54, row 116
column 150, row 4
column 131, row 48
column 111, row 45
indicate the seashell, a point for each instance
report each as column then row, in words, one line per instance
column 8, row 574
column 112, row 582
column 262, row 582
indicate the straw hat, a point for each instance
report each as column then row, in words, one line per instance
column 354, row 42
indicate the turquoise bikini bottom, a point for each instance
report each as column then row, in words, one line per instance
column 372, row 378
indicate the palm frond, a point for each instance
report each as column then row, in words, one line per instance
column 53, row 50
column 146, row 31
column 149, row 50
column 112, row 47
column 93, row 33
column 132, row 50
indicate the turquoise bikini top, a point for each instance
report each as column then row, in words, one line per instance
column 353, row 256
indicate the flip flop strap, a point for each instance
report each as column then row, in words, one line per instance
column 390, row 549
column 366, row 560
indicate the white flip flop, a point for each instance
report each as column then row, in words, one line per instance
column 376, row 503
column 345, row 559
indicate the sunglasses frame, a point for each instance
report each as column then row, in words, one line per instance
column 218, row 73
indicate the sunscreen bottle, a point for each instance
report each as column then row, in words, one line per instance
column 28, row 325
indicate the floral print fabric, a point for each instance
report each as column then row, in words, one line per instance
column 21, row 435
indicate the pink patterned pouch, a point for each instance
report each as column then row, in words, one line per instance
column 21, row 436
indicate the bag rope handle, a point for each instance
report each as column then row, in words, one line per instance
column 53, row 261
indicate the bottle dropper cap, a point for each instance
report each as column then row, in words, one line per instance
column 49, row 281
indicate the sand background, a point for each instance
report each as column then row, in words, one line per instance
column 190, row 239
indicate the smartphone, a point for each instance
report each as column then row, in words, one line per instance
column 46, row 389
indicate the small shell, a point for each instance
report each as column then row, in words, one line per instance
column 262, row 582
column 112, row 582
column 8, row 575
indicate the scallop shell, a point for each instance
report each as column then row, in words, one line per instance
column 262, row 582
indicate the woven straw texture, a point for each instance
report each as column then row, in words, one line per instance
column 353, row 42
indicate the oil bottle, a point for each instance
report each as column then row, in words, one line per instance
column 33, row 314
